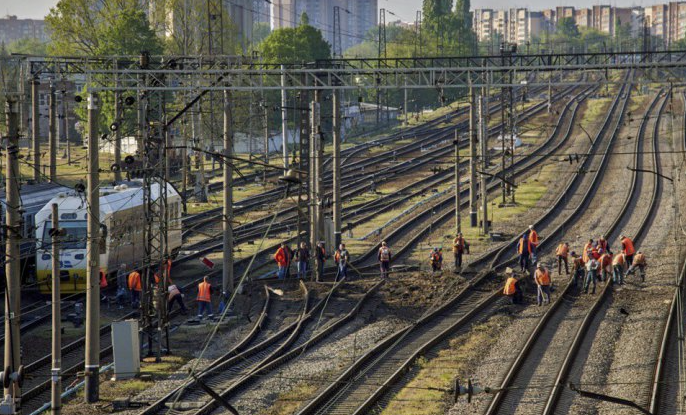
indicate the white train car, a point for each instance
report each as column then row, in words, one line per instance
column 122, row 213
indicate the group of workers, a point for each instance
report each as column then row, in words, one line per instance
column 597, row 263
column 285, row 256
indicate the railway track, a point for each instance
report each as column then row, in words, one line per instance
column 550, row 350
column 362, row 384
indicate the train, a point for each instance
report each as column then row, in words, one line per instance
column 122, row 219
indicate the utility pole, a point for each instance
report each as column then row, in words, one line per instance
column 304, row 162
column 483, row 125
column 35, row 128
column 227, row 234
column 52, row 133
column 458, row 221
column 407, row 122
column 56, row 393
column 337, row 200
column 315, row 119
column 266, row 139
column 284, row 118
column 473, row 142
column 92, row 365
column 119, row 118
column 12, row 263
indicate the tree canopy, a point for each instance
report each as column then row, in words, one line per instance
column 291, row 45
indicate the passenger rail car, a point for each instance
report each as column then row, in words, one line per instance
column 122, row 217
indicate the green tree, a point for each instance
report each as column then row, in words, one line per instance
column 28, row 46
column 291, row 45
column 260, row 31
column 567, row 27
column 94, row 27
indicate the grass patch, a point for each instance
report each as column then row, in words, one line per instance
column 438, row 373
column 288, row 402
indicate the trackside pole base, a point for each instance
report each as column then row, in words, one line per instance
column 473, row 219
column 92, row 383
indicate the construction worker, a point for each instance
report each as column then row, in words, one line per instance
column 282, row 260
column 321, row 259
column 134, row 285
column 592, row 267
column 603, row 244
column 628, row 249
column 512, row 290
column 458, row 250
column 524, row 248
column 435, row 260
column 618, row 268
column 204, row 298
column 533, row 238
column 586, row 253
column 578, row 269
column 384, row 258
column 562, row 251
column 342, row 257
column 605, row 261
column 639, row 262
column 542, row 279
column 174, row 296
column 303, row 256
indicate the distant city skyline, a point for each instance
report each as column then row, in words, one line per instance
column 404, row 9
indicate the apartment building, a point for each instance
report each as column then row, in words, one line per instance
column 13, row 29
column 357, row 17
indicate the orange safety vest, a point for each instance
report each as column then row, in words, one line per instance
column 435, row 258
column 619, row 260
column 510, row 286
column 520, row 246
column 628, row 246
column 584, row 254
column 337, row 256
column 639, row 259
column 135, row 281
column 281, row 257
column 542, row 277
column 533, row 237
column 562, row 250
column 204, row 289
column 605, row 260
column 103, row 280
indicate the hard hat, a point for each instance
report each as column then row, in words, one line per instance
column 531, row 226
column 540, row 265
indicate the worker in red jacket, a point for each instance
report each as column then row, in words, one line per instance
column 282, row 258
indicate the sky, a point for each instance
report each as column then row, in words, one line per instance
column 404, row 9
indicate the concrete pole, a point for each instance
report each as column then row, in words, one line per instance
column 227, row 234
column 473, row 142
column 284, row 118
column 314, row 178
column 405, row 108
column 483, row 125
column 337, row 200
column 266, row 142
column 117, row 134
column 458, row 225
column 35, row 129
column 56, row 393
column 52, row 133
column 92, row 365
column 12, row 264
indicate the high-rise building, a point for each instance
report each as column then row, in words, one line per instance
column 13, row 29
column 357, row 17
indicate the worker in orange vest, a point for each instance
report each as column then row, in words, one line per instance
column 282, row 260
column 524, row 249
column 134, row 284
column 639, row 263
column 204, row 298
column 542, row 279
column 578, row 269
column 459, row 245
column 586, row 253
column 512, row 290
column 628, row 249
column 533, row 238
column 605, row 265
column 618, row 268
column 562, row 252
column 384, row 256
